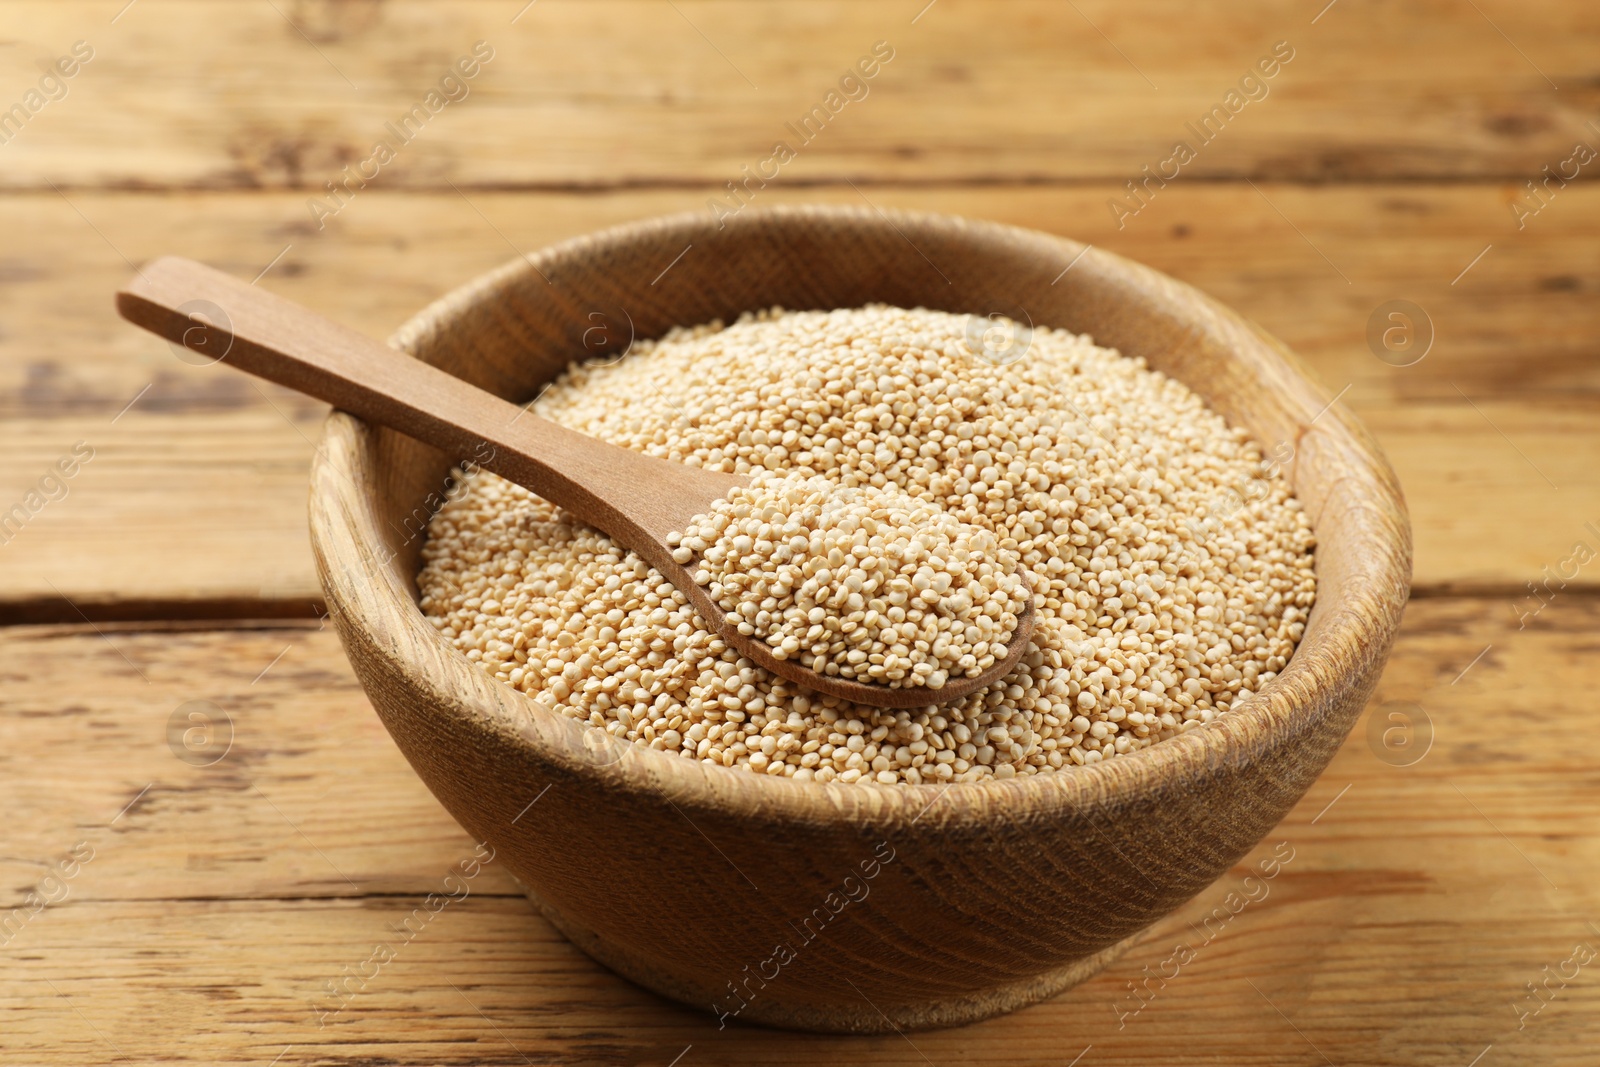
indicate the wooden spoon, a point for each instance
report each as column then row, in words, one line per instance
column 635, row 498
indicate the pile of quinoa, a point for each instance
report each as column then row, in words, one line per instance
column 857, row 582
column 1171, row 572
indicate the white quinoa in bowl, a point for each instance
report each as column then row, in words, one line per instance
column 1171, row 571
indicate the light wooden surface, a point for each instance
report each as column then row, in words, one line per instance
column 212, row 913
column 626, row 92
column 1393, row 145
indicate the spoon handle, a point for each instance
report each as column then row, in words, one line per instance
column 253, row 330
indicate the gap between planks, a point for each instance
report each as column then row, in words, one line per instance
column 135, row 616
column 832, row 182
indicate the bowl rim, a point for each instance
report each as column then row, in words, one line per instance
column 1357, row 631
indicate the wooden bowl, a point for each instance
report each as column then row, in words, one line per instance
column 850, row 907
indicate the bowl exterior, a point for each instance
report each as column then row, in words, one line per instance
column 861, row 907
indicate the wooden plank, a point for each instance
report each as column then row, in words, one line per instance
column 633, row 91
column 1421, row 895
column 1519, row 321
column 195, row 498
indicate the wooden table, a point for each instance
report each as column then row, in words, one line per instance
column 191, row 903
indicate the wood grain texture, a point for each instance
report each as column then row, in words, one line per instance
column 202, row 931
column 1396, row 143
column 942, row 941
column 632, row 92
column 1519, row 323
column 218, row 461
